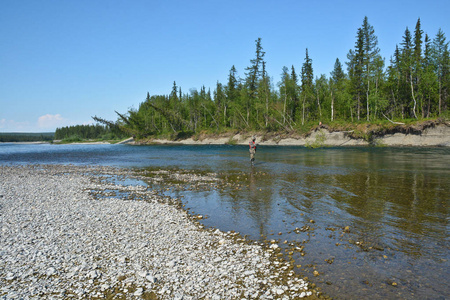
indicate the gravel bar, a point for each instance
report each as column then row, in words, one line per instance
column 58, row 240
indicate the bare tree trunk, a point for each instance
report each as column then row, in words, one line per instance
column 243, row 119
column 284, row 108
column 172, row 127
column 332, row 106
column 267, row 110
column 303, row 115
column 376, row 97
column 225, row 115
column 412, row 93
column 367, row 99
column 267, row 106
column 318, row 104
column 248, row 114
column 440, row 96
column 217, row 124
column 392, row 121
column 358, row 105
column 257, row 114
column 154, row 123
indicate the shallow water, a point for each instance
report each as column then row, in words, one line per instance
column 395, row 202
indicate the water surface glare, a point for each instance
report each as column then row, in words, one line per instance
column 374, row 222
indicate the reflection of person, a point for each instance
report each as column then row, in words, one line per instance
column 252, row 149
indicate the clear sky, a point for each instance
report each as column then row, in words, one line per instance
column 62, row 62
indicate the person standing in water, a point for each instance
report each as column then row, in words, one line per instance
column 252, row 149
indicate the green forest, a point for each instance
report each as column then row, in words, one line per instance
column 79, row 133
column 15, row 137
column 413, row 85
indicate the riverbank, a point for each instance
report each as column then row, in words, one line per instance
column 63, row 236
column 434, row 135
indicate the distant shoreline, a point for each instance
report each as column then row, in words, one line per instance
column 25, row 143
column 44, row 142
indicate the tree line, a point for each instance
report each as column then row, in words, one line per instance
column 15, row 137
column 415, row 85
column 86, row 132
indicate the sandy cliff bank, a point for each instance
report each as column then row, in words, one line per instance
column 424, row 136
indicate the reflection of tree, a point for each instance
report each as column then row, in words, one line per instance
column 404, row 203
column 252, row 200
column 260, row 202
column 299, row 191
column 388, row 200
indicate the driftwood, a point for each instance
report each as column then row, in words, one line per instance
column 399, row 123
column 243, row 118
column 282, row 125
column 211, row 115
column 284, row 116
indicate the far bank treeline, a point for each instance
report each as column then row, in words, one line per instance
column 414, row 85
column 88, row 132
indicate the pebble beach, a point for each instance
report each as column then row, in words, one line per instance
column 60, row 240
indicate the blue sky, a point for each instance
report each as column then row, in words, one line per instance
column 62, row 62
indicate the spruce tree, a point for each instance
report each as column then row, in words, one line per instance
column 253, row 76
column 336, row 86
column 232, row 94
column 429, row 79
column 406, row 63
column 307, row 85
column 295, row 96
column 220, row 100
column 265, row 93
column 284, row 86
column 416, row 72
column 442, row 67
column 355, row 65
column 370, row 58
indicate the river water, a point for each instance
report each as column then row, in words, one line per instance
column 371, row 222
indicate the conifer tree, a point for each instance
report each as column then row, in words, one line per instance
column 295, row 94
column 307, row 85
column 355, row 67
column 418, row 32
column 264, row 92
column 429, row 79
column 442, row 67
column 336, row 87
column 284, row 85
column 417, row 81
column 253, row 77
column 233, row 94
column 370, row 58
column 393, row 82
column 220, row 100
column 416, row 72
column 406, row 63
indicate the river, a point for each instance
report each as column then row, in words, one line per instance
column 371, row 222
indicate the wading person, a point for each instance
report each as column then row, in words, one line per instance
column 252, row 149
